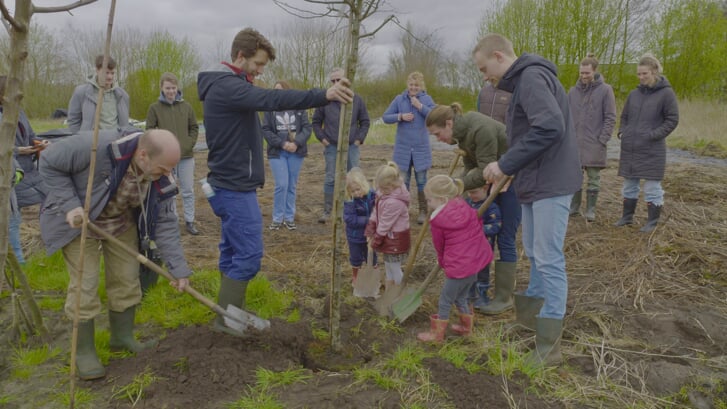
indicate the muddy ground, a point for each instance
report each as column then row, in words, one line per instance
column 646, row 312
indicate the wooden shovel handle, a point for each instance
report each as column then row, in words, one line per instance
column 154, row 267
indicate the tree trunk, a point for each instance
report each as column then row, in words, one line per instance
column 11, row 111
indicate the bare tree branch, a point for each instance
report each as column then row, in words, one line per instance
column 372, row 33
column 307, row 14
column 67, row 7
column 9, row 18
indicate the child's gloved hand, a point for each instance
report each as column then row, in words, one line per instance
column 377, row 241
column 18, row 177
column 370, row 229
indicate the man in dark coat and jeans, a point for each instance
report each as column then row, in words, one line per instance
column 235, row 157
column 543, row 157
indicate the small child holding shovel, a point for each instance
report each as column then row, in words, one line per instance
column 491, row 224
column 388, row 228
column 356, row 212
column 462, row 251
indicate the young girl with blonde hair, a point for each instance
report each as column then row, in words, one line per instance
column 388, row 227
column 462, row 251
column 356, row 212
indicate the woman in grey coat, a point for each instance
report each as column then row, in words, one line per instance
column 650, row 114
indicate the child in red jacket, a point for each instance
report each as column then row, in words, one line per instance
column 462, row 251
column 388, row 227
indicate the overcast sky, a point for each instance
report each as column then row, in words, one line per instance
column 209, row 22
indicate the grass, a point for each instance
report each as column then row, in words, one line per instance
column 134, row 391
column 84, row 398
column 261, row 396
column 24, row 362
column 701, row 128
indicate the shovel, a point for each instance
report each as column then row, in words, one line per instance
column 384, row 303
column 407, row 305
column 235, row 318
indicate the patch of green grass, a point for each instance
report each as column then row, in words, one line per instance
column 44, row 125
column 47, row 273
column 83, row 398
column 182, row 365
column 168, row 308
column 294, row 316
column 267, row 379
column 51, row 303
column 134, row 391
column 25, row 361
column 461, row 357
column 256, row 399
column 390, row 325
column 381, row 134
column 407, row 359
column 378, row 377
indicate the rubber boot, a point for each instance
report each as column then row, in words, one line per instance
column 354, row 272
column 422, row 207
column 504, row 287
column 122, row 332
column 436, row 331
column 87, row 362
column 575, row 204
column 548, row 332
column 628, row 214
column 231, row 292
column 591, row 199
column 654, row 214
column 526, row 309
column 327, row 207
column 464, row 328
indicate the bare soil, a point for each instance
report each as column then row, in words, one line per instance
column 647, row 311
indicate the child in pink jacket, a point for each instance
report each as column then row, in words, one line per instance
column 462, row 251
column 388, row 227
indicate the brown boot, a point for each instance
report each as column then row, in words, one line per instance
column 464, row 328
column 436, row 331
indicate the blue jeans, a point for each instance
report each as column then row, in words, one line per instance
column 511, row 214
column 184, row 173
column 14, row 235
column 329, row 153
column 652, row 190
column 545, row 223
column 285, row 170
column 420, row 177
column 241, row 244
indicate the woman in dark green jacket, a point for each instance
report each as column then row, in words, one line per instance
column 484, row 140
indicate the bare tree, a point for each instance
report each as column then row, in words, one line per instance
column 18, row 25
column 354, row 13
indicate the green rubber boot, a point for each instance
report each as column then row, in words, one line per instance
column 122, row 332
column 591, row 200
column 504, row 287
column 526, row 309
column 575, row 204
column 87, row 363
column 231, row 292
column 548, row 332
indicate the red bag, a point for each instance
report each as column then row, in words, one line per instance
column 393, row 243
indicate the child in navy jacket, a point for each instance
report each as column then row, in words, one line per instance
column 491, row 224
column 356, row 212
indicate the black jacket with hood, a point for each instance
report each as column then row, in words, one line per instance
column 542, row 153
column 232, row 126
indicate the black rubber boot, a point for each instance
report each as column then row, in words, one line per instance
column 628, row 215
column 575, row 203
column 548, row 332
column 327, row 207
column 504, row 287
column 87, row 362
column 654, row 214
column 122, row 332
column 231, row 292
column 591, row 199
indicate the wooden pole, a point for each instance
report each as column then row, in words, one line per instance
column 87, row 206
